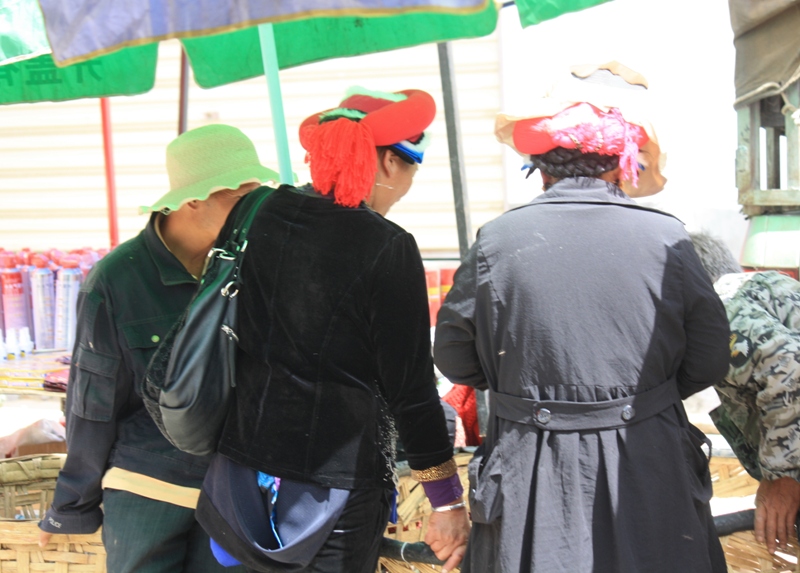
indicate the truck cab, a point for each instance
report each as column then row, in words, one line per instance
column 767, row 80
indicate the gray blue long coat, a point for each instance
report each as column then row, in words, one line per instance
column 588, row 318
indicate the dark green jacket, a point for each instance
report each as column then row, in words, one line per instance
column 128, row 303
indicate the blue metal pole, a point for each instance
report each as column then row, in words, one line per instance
column 269, row 56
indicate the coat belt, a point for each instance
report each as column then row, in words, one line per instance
column 577, row 416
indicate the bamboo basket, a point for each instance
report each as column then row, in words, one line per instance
column 730, row 479
column 27, row 484
column 745, row 555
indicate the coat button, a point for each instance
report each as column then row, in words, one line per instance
column 543, row 416
column 628, row 413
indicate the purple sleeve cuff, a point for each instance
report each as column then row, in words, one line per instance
column 443, row 491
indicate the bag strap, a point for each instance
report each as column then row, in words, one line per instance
column 248, row 206
column 232, row 239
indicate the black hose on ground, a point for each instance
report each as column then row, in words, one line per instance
column 410, row 552
column 733, row 522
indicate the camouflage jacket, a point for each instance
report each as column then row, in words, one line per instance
column 760, row 397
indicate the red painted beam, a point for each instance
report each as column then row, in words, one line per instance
column 111, row 187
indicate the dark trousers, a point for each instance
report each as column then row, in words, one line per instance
column 142, row 535
column 355, row 541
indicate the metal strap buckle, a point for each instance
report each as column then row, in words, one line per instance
column 222, row 254
column 229, row 332
column 226, row 290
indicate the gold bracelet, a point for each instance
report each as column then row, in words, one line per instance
column 442, row 471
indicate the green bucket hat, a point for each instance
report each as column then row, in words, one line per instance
column 208, row 159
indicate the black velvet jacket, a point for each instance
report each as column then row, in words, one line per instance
column 334, row 347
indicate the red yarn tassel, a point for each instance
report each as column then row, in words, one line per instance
column 343, row 159
column 463, row 399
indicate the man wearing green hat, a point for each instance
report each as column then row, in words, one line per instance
column 117, row 456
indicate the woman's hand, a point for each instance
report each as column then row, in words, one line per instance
column 447, row 536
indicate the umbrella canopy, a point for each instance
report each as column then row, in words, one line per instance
column 533, row 12
column 20, row 31
column 113, row 50
column 98, row 63
column 127, row 72
column 28, row 73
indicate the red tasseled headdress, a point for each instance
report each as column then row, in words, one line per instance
column 344, row 160
column 342, row 152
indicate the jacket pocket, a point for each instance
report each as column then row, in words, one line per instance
column 147, row 334
column 485, row 494
column 696, row 461
column 94, row 385
column 142, row 338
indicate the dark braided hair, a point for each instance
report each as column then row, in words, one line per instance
column 562, row 163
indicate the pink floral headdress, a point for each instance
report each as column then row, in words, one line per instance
column 596, row 109
column 588, row 129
